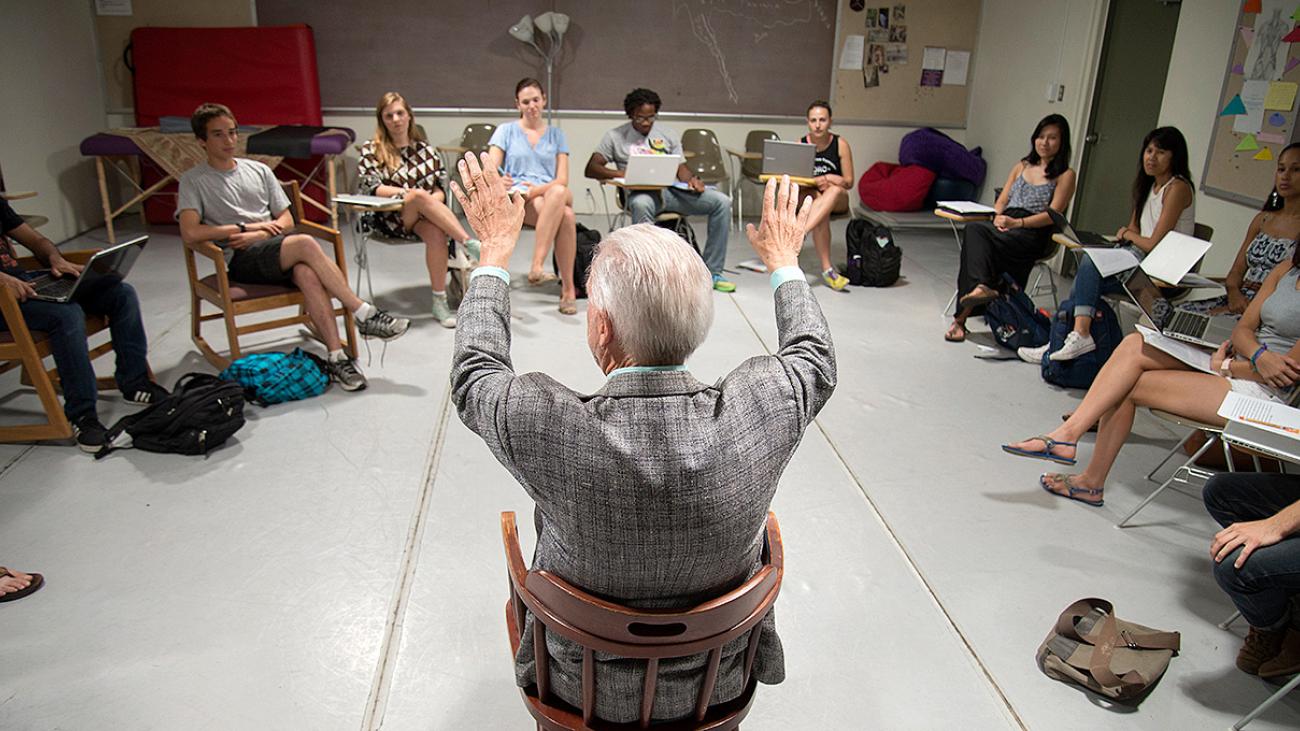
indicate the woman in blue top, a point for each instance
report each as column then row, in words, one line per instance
column 1021, row 232
column 534, row 160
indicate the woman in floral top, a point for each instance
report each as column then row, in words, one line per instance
column 399, row 163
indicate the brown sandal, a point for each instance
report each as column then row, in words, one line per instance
column 950, row 337
column 536, row 278
column 37, row 582
column 568, row 307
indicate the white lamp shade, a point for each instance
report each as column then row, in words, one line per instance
column 543, row 22
column 523, row 30
column 560, row 22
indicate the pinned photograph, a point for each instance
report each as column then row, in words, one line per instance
column 896, row 53
column 878, row 35
column 898, row 34
column 856, row 5
column 882, row 18
column 900, row 14
column 870, row 77
column 871, row 17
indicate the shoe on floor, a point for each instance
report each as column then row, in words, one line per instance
column 345, row 371
column 146, row 393
column 1032, row 355
column 1287, row 661
column 1261, row 645
column 442, row 312
column 36, row 583
column 89, row 433
column 835, row 280
column 722, row 285
column 1074, row 346
column 382, row 325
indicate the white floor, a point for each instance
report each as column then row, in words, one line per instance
column 338, row 565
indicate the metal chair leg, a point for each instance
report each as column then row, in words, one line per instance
column 1228, row 622
column 1290, row 686
column 1151, row 476
column 1208, row 443
column 956, row 234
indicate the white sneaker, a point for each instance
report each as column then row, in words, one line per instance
column 1032, row 355
column 1075, row 345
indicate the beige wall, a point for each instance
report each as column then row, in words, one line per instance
column 53, row 100
column 114, row 32
column 1205, row 32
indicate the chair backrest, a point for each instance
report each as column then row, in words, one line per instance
column 751, row 169
column 704, row 156
column 601, row 626
column 475, row 137
column 1202, row 231
column 292, row 190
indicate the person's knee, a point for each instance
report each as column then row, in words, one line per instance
column 721, row 202
column 301, row 247
column 641, row 206
column 569, row 218
column 68, row 320
column 557, row 193
column 1227, row 575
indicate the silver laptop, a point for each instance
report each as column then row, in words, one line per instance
column 108, row 265
column 1082, row 238
column 788, row 158
column 1191, row 327
column 658, row 170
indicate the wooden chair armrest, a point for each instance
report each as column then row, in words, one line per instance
column 206, row 248
column 17, row 195
column 315, row 229
column 514, row 556
column 744, row 154
column 774, row 549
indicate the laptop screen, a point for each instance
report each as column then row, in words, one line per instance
column 1148, row 297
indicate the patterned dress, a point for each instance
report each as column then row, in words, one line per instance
column 418, row 169
column 1262, row 256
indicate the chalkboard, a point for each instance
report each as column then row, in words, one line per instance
column 1240, row 163
column 767, row 57
column 889, row 86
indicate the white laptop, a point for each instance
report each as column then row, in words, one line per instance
column 656, row 170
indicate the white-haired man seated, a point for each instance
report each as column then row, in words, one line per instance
column 653, row 491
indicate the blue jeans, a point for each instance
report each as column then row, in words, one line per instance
column 1089, row 286
column 1263, row 587
column 644, row 206
column 65, row 324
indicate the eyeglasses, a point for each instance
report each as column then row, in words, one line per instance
column 639, row 118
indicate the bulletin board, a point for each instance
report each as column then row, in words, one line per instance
column 1256, row 114
column 881, row 53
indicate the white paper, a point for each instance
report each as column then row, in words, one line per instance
column 851, row 56
column 112, row 7
column 933, row 58
column 753, row 265
column 1111, row 261
column 1269, row 415
column 965, row 207
column 1174, row 257
column 1252, row 95
column 955, row 68
column 1185, row 352
column 1267, row 55
column 367, row 201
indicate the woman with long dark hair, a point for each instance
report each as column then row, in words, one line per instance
column 1163, row 201
column 1021, row 231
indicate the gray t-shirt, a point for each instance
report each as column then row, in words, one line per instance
column 620, row 143
column 250, row 193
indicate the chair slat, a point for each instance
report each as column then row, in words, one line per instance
column 588, row 685
column 706, row 687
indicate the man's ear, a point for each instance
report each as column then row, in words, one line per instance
column 604, row 327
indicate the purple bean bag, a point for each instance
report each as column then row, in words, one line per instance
column 947, row 157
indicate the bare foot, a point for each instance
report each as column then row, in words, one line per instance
column 978, row 296
column 956, row 332
column 15, row 581
column 1075, row 487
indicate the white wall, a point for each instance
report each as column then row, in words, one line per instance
column 53, row 99
column 1205, row 32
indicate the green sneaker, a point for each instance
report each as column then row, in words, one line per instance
column 722, row 285
column 442, row 312
column 834, row 280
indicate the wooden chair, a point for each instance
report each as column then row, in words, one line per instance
column 26, row 348
column 233, row 299
column 748, row 165
column 600, row 626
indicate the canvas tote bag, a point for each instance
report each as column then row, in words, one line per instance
column 1089, row 646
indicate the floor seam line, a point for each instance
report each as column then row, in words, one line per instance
column 377, row 702
column 907, row 557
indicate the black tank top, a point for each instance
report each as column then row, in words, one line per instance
column 827, row 162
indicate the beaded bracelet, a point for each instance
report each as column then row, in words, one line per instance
column 1254, row 366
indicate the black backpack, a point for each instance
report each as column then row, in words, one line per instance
column 588, row 238
column 1080, row 372
column 874, row 259
column 200, row 415
column 1014, row 320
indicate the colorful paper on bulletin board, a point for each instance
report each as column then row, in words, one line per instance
column 1238, row 69
column 1266, row 56
column 1292, row 62
column 1276, row 119
column 1252, row 96
column 1293, row 36
column 1264, row 154
column 1281, row 95
column 1296, row 15
column 1247, row 144
column 1247, row 34
column 1252, row 6
column 1234, row 107
column 1271, row 138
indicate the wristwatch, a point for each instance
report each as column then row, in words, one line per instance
column 242, row 228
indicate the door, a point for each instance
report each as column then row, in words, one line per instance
column 1125, row 106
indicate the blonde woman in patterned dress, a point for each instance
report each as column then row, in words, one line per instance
column 400, row 163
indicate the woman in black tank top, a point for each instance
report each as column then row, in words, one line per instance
column 832, row 177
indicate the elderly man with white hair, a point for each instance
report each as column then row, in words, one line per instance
column 653, row 491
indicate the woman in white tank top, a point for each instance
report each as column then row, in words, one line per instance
column 1163, row 201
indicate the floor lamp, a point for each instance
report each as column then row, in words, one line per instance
column 552, row 27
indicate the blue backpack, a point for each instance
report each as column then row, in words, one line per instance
column 274, row 378
column 1014, row 320
column 1080, row 372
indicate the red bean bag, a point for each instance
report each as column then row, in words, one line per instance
column 889, row 187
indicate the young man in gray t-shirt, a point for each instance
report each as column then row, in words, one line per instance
column 643, row 136
column 239, row 205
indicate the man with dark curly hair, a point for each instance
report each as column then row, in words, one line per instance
column 641, row 136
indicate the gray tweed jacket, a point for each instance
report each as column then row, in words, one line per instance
column 651, row 492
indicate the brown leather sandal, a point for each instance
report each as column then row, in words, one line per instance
column 37, row 582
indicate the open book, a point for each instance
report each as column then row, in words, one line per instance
column 1170, row 261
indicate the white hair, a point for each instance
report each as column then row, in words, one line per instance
column 656, row 292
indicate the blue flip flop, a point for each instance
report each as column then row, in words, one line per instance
column 1072, row 491
column 1045, row 452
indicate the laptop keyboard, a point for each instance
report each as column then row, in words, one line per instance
column 48, row 286
column 1192, row 324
